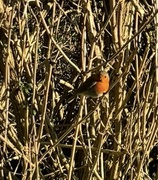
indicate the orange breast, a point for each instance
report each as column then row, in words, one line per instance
column 102, row 87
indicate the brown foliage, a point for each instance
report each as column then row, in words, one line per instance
column 47, row 49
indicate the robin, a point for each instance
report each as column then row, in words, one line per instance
column 95, row 86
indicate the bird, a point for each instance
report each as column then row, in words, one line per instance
column 95, row 86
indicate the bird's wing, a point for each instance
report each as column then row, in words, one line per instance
column 88, row 84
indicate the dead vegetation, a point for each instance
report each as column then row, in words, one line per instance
column 47, row 49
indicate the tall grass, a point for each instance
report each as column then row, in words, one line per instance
column 47, row 49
